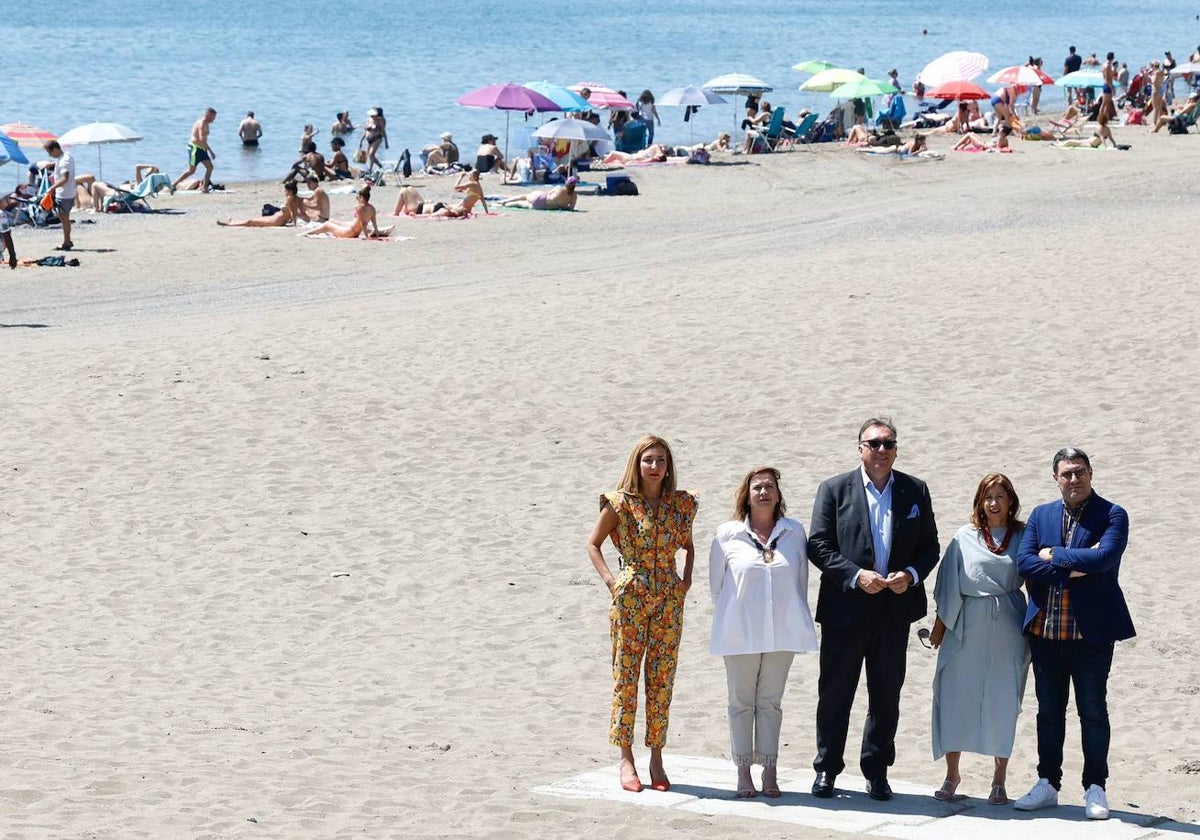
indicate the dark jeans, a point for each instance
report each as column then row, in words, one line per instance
column 1056, row 666
column 881, row 644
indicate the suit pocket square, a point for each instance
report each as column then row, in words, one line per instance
column 914, row 513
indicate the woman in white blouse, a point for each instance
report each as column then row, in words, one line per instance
column 758, row 573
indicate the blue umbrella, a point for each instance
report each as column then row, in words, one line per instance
column 10, row 151
column 564, row 97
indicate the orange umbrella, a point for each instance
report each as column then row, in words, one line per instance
column 29, row 136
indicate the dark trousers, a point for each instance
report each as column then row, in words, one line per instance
column 1056, row 667
column 881, row 643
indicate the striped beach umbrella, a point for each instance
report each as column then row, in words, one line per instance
column 29, row 136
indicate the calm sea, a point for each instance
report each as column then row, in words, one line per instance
column 155, row 66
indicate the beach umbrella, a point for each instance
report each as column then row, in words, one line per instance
column 1184, row 69
column 1020, row 75
column 862, row 89
column 10, row 151
column 507, row 98
column 813, row 66
column 958, row 90
column 737, row 84
column 957, row 66
column 1081, row 79
column 29, row 136
column 691, row 97
column 99, row 134
column 600, row 96
column 571, row 130
column 828, row 80
column 564, row 97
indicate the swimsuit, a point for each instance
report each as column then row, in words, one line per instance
column 538, row 200
column 249, row 142
column 196, row 155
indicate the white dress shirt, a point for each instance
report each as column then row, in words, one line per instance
column 760, row 607
column 879, row 515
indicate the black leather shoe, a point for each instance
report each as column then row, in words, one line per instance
column 823, row 785
column 878, row 788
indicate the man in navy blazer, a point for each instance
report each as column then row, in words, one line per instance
column 1071, row 556
column 874, row 538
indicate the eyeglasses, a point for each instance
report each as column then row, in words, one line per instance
column 886, row 443
column 1068, row 475
column 923, row 638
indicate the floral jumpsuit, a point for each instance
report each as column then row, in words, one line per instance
column 646, row 617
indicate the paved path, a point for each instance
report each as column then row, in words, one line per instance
column 703, row 786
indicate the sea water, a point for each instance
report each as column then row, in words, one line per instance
column 155, row 66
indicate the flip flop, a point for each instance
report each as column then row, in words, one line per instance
column 999, row 796
column 747, row 793
column 772, row 792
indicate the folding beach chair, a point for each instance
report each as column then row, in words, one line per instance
column 803, row 132
column 633, row 137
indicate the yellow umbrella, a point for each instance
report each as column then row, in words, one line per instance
column 828, row 80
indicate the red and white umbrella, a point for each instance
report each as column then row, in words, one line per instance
column 957, row 66
column 1020, row 75
column 958, row 90
column 29, row 136
column 603, row 97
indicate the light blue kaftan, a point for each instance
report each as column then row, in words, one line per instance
column 984, row 658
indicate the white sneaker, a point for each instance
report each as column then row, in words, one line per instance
column 1041, row 795
column 1095, row 803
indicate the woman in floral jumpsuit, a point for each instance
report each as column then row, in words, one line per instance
column 648, row 521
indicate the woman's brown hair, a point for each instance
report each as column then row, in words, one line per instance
column 979, row 515
column 631, row 480
column 741, row 499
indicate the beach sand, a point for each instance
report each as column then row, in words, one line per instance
column 295, row 528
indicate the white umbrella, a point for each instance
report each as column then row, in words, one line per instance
column 97, row 134
column 692, row 97
column 1183, row 69
column 571, row 130
column 736, row 84
column 957, row 66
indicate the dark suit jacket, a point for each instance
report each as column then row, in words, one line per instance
column 840, row 545
column 1096, row 599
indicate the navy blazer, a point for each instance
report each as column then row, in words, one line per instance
column 840, row 545
column 1096, row 598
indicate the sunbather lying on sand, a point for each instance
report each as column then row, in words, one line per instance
column 412, row 203
column 657, row 152
column 291, row 212
column 559, row 198
column 363, row 224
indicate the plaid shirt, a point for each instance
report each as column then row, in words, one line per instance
column 1055, row 621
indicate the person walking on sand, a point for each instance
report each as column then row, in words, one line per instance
column 199, row 152
column 64, row 189
column 874, row 538
column 250, row 130
column 650, row 522
column 1071, row 558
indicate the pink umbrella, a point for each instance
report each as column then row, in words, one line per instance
column 603, row 97
column 508, row 98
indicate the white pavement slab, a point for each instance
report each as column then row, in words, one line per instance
column 705, row 786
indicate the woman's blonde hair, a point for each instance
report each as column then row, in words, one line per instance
column 979, row 515
column 741, row 499
column 631, row 481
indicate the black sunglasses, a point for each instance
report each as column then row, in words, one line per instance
column 887, row 443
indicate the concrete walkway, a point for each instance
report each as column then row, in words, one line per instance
column 704, row 786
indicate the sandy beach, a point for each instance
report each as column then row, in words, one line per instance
column 296, row 526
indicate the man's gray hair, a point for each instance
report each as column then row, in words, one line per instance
column 886, row 422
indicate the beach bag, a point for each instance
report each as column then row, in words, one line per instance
column 360, row 156
column 1178, row 125
column 47, row 201
column 1135, row 117
column 624, row 188
column 271, row 209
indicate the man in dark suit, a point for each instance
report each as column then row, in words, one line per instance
column 874, row 539
column 1071, row 555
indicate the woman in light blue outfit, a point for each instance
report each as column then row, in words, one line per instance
column 983, row 658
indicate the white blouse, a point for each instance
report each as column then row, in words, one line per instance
column 760, row 607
